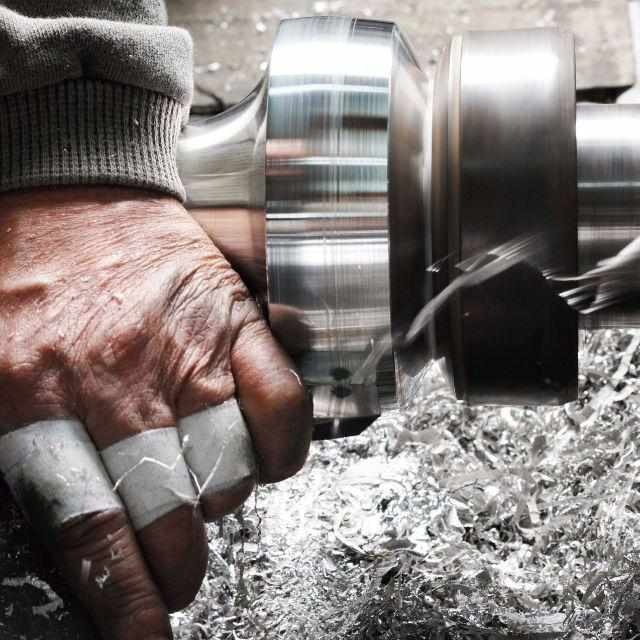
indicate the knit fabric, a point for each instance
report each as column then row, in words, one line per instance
column 91, row 95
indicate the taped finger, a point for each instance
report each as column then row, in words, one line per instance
column 55, row 473
column 150, row 474
column 219, row 452
column 58, row 479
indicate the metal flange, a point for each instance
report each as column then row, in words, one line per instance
column 504, row 186
column 341, row 93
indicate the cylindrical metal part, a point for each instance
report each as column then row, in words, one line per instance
column 221, row 160
column 507, row 190
column 327, row 190
column 477, row 218
column 608, row 138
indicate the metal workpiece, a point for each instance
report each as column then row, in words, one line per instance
column 608, row 139
column 221, row 159
column 506, row 117
column 475, row 218
column 333, row 143
column 345, row 164
column 327, row 195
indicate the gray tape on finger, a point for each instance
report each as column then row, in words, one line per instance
column 55, row 473
column 217, row 447
column 150, row 475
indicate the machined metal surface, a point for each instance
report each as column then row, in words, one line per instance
column 328, row 197
column 608, row 138
column 506, row 115
column 221, row 159
column 398, row 220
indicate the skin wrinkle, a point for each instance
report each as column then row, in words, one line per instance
column 126, row 316
column 106, row 540
column 131, row 351
column 25, row 377
column 97, row 545
column 206, row 365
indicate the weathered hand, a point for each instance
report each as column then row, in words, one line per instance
column 117, row 311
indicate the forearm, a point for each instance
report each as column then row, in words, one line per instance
column 91, row 94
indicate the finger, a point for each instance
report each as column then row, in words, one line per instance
column 274, row 402
column 56, row 476
column 149, row 472
column 290, row 328
column 218, row 450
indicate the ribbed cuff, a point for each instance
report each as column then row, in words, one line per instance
column 88, row 132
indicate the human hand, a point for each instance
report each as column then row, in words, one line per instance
column 117, row 311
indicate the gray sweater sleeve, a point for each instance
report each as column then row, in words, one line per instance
column 91, row 93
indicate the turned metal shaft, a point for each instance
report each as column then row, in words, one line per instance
column 356, row 190
column 608, row 142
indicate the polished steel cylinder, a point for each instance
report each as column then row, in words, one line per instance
column 384, row 219
column 222, row 158
column 504, row 188
column 608, row 143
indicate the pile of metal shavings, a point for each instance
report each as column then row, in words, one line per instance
column 445, row 521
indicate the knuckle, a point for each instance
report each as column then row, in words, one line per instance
column 94, row 536
column 288, row 413
column 119, row 347
column 206, row 278
column 19, row 364
column 291, row 395
column 206, row 384
column 31, row 384
column 254, row 326
column 285, row 398
column 229, row 280
column 201, row 307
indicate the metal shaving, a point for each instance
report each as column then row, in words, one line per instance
column 614, row 281
column 445, row 521
column 54, row 600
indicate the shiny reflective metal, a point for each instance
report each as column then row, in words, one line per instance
column 506, row 158
column 222, row 159
column 609, row 205
column 333, row 145
column 327, row 197
column 339, row 90
column 359, row 192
